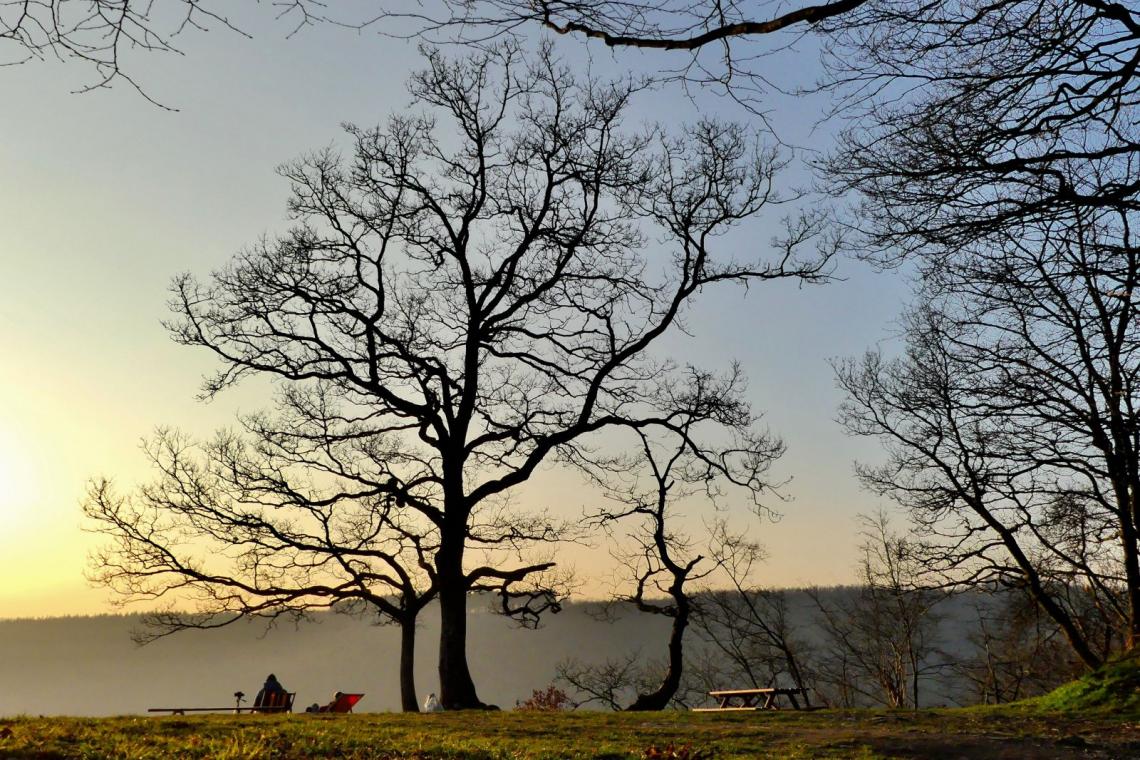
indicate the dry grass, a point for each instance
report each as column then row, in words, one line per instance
column 1017, row 732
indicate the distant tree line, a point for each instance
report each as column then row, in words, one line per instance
column 887, row 642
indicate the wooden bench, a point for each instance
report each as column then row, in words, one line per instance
column 749, row 699
column 281, row 704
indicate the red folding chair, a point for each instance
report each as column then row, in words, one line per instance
column 342, row 704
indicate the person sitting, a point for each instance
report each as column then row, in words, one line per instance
column 330, row 707
column 272, row 694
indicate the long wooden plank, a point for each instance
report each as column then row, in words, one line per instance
column 740, row 692
column 754, row 692
column 724, row 709
column 231, row 708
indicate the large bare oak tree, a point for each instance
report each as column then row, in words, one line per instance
column 476, row 291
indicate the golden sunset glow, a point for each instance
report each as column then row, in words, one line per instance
column 18, row 482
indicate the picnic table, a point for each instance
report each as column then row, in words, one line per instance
column 749, row 699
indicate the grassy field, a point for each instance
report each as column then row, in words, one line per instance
column 948, row 734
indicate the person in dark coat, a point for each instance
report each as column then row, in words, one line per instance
column 272, row 694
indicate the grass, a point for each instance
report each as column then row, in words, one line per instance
column 1096, row 717
column 479, row 736
column 1115, row 687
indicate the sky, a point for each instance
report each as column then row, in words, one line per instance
column 104, row 197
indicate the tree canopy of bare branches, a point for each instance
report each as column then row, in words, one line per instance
column 273, row 522
column 460, row 307
column 978, row 118
column 998, row 152
column 1011, row 424
column 693, row 464
column 99, row 34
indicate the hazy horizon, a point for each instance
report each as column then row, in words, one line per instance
column 88, row 665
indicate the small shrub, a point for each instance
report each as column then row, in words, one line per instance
column 546, row 700
column 675, row 752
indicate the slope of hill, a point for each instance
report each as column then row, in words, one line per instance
column 1114, row 688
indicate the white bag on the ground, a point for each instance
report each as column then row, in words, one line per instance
column 431, row 704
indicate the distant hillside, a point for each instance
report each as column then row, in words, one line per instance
column 89, row 666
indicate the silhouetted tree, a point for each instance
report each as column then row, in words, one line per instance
column 276, row 523
column 480, row 303
column 1009, row 177
column 882, row 639
column 607, row 684
column 664, row 561
column 748, row 632
column 1010, row 421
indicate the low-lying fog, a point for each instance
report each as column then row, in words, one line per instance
column 90, row 666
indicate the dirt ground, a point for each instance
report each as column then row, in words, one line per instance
column 944, row 737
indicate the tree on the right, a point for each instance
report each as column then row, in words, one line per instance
column 973, row 119
column 994, row 151
column 1011, row 420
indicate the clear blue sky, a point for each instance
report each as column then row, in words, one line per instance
column 104, row 197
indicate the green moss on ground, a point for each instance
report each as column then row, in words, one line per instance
column 1113, row 688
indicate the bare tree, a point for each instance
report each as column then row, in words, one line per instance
column 665, row 562
column 882, row 639
column 276, row 524
column 607, row 684
column 662, row 563
column 748, row 631
column 1011, row 424
column 482, row 303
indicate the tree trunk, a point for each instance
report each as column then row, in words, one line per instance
column 794, row 671
column 409, row 702
column 659, row 698
column 1128, row 526
column 1072, row 634
column 914, row 684
column 456, row 689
